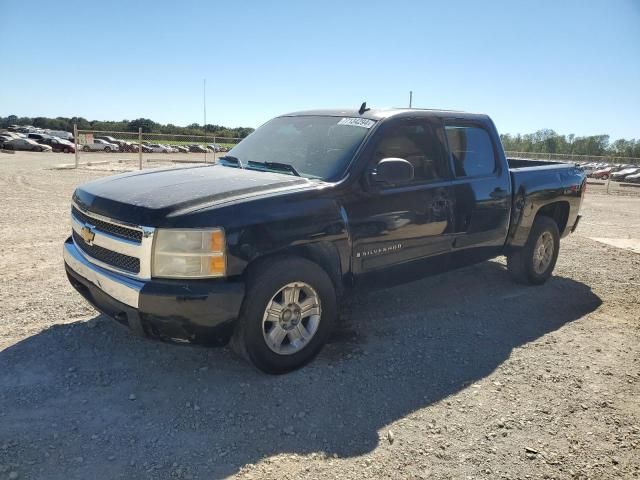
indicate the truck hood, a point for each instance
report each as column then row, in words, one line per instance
column 151, row 197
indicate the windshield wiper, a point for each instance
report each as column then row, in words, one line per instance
column 276, row 166
column 232, row 159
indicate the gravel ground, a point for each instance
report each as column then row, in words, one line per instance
column 466, row 375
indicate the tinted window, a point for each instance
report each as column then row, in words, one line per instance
column 472, row 150
column 419, row 144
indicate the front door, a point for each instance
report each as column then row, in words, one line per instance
column 394, row 225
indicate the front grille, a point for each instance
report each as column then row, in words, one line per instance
column 115, row 259
column 110, row 228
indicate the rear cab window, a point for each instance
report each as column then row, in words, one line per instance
column 471, row 150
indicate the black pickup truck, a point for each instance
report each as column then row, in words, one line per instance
column 260, row 248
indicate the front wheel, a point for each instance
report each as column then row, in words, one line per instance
column 107, row 149
column 85, row 149
column 287, row 315
column 534, row 263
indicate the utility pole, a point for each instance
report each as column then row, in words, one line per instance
column 75, row 140
column 140, row 147
column 410, row 98
column 204, row 103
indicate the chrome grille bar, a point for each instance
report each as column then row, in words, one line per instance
column 107, row 233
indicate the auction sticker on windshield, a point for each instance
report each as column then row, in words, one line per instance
column 357, row 122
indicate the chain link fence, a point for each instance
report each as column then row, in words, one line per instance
column 132, row 150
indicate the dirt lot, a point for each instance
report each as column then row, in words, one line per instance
column 465, row 375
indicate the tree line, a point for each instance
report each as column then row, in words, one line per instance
column 548, row 141
column 147, row 125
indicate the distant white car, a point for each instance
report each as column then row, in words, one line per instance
column 620, row 175
column 61, row 134
column 100, row 145
column 158, row 148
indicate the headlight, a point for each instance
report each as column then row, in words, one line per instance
column 189, row 253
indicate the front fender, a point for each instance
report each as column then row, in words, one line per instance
column 312, row 227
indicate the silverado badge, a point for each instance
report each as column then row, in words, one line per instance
column 87, row 235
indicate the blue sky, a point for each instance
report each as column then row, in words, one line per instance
column 573, row 66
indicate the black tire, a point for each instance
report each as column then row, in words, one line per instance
column 65, row 150
column 265, row 281
column 107, row 149
column 521, row 262
column 85, row 148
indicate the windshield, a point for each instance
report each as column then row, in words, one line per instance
column 315, row 146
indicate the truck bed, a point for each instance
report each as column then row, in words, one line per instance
column 537, row 176
column 520, row 163
column 533, row 183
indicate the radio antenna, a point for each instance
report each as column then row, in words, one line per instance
column 363, row 108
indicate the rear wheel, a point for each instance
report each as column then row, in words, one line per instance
column 287, row 315
column 534, row 263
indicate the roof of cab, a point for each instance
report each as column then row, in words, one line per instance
column 380, row 114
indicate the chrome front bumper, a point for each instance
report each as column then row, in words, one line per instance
column 123, row 289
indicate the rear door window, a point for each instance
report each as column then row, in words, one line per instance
column 471, row 149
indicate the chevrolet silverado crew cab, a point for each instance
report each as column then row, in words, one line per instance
column 259, row 248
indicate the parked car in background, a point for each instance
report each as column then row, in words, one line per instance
column 123, row 145
column 603, row 173
column 24, row 129
column 622, row 174
column 214, row 147
column 26, row 144
column 129, row 147
column 12, row 134
column 38, row 136
column 181, row 148
column 63, row 134
column 145, row 147
column 100, row 145
column 634, row 178
column 107, row 138
column 158, row 148
column 58, row 144
column 197, row 149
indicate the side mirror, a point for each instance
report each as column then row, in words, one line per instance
column 393, row 171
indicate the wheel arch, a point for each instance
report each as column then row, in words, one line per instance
column 558, row 212
column 323, row 254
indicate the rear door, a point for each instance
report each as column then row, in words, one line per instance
column 482, row 190
column 393, row 225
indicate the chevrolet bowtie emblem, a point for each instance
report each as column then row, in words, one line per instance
column 87, row 235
